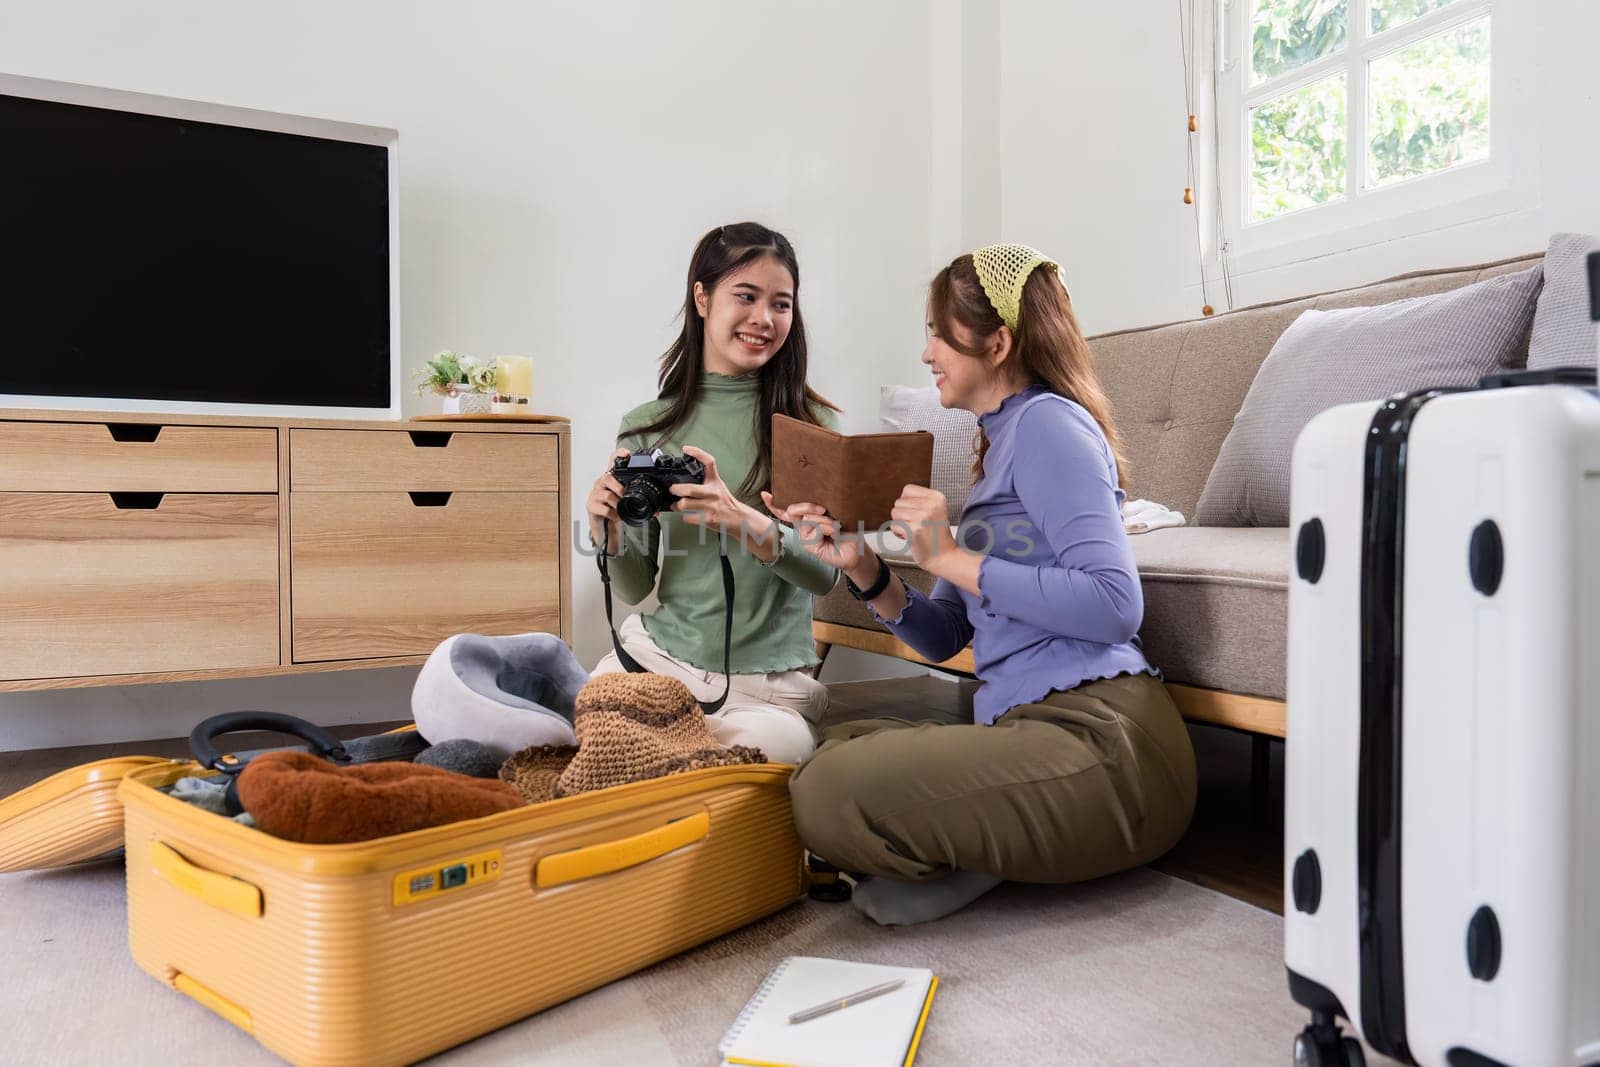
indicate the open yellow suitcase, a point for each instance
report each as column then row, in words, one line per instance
column 388, row 951
column 68, row 818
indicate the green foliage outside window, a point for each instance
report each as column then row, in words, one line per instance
column 1387, row 14
column 1285, row 34
column 1427, row 103
column 1298, row 149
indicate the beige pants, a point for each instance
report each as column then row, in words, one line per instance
column 1084, row 783
column 776, row 712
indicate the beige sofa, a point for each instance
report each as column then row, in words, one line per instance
column 1216, row 598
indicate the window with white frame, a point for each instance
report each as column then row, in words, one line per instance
column 1342, row 114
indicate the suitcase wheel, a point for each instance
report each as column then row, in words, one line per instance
column 1321, row 1045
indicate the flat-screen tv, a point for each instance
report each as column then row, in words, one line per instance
column 170, row 255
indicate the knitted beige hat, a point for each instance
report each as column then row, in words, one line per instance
column 536, row 770
column 630, row 727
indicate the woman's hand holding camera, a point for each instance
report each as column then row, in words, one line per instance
column 605, row 525
column 712, row 504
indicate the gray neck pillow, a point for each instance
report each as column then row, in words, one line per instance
column 505, row 693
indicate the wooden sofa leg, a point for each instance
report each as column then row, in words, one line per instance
column 823, row 648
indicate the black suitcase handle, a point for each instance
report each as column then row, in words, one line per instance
column 1584, row 376
column 201, row 738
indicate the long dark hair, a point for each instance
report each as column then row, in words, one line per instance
column 1048, row 346
column 783, row 377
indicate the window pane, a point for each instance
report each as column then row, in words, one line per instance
column 1387, row 14
column 1429, row 105
column 1297, row 149
column 1285, row 34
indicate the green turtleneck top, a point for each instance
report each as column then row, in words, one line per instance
column 772, row 602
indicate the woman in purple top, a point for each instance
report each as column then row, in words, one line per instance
column 1078, row 764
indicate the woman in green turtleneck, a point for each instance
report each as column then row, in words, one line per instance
column 740, row 358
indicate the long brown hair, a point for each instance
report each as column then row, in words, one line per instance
column 783, row 377
column 1047, row 346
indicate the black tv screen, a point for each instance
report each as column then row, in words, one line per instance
column 163, row 259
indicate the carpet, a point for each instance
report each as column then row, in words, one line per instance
column 1135, row 969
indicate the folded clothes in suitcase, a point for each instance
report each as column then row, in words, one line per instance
column 1442, row 801
column 389, row 950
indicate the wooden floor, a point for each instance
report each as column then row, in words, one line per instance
column 1230, row 847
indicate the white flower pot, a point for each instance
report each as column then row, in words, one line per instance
column 462, row 402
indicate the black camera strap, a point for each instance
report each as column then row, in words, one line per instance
column 632, row 665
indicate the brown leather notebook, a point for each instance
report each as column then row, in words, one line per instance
column 857, row 477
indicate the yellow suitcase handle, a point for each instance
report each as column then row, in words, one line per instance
column 218, row 890
column 213, row 1000
column 595, row 860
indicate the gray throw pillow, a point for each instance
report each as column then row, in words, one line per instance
column 903, row 408
column 1563, row 336
column 1327, row 358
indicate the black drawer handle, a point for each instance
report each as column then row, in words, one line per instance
column 429, row 500
column 129, row 432
column 136, row 501
column 430, row 438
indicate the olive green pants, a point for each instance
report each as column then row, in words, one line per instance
column 1084, row 783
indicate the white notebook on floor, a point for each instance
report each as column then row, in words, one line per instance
column 881, row 1032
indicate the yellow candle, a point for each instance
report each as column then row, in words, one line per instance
column 514, row 375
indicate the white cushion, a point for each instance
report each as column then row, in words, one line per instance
column 903, row 408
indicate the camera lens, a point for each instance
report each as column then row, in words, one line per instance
column 642, row 499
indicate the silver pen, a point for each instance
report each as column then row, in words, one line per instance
column 845, row 1002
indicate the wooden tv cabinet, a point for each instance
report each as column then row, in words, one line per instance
column 157, row 548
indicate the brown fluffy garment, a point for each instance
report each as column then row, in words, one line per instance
column 300, row 797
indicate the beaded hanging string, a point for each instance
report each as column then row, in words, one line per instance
column 1216, row 167
column 1188, row 43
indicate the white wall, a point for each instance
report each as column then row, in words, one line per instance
column 557, row 162
column 1092, row 158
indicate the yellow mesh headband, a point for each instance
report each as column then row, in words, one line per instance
column 1003, row 270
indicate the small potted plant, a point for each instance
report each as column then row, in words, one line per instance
column 465, row 384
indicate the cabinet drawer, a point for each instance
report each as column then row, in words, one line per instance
column 105, row 457
column 88, row 588
column 423, row 460
column 393, row 574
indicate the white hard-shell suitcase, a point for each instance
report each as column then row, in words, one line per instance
column 1442, row 804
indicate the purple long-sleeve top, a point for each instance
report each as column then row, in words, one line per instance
column 1060, row 600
